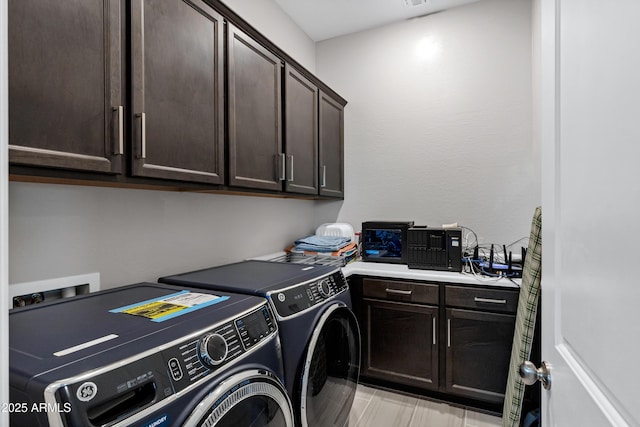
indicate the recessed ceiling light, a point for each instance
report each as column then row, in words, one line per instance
column 412, row 3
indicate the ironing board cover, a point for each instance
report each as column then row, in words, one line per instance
column 525, row 324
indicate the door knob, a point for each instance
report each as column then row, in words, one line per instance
column 530, row 374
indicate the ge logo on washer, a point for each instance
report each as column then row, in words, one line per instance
column 281, row 297
column 87, row 391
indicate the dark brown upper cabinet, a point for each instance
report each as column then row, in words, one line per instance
column 301, row 133
column 177, row 85
column 256, row 159
column 331, row 135
column 175, row 94
column 65, row 84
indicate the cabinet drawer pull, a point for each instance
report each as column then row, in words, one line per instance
column 490, row 300
column 143, row 135
column 291, row 175
column 120, row 111
column 434, row 330
column 448, row 332
column 398, row 292
column 283, row 167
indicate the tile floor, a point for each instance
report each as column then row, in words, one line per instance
column 379, row 408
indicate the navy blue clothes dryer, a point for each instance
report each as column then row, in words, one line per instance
column 318, row 330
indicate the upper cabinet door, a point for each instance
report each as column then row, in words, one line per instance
column 65, row 84
column 256, row 159
column 331, row 147
column 177, row 90
column 301, row 139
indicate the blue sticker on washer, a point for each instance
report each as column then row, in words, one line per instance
column 170, row 306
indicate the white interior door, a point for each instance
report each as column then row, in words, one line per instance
column 590, row 93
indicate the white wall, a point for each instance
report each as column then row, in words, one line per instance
column 273, row 23
column 137, row 235
column 4, row 293
column 440, row 138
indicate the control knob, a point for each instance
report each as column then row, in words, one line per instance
column 324, row 289
column 213, row 349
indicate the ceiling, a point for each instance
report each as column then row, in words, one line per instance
column 325, row 19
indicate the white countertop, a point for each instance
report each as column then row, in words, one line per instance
column 401, row 271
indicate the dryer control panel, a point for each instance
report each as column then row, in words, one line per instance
column 302, row 297
column 208, row 351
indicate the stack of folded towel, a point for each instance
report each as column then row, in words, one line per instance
column 326, row 246
column 332, row 240
column 315, row 243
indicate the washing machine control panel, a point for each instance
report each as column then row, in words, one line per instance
column 133, row 385
column 208, row 351
column 302, row 297
column 255, row 327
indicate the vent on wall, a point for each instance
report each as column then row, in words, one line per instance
column 28, row 293
column 412, row 3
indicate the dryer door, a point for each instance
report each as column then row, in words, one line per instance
column 250, row 398
column 330, row 373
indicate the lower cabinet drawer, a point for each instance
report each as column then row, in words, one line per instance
column 498, row 300
column 397, row 290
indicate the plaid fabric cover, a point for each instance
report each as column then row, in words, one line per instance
column 525, row 323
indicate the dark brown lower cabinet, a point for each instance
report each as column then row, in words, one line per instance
column 451, row 341
column 400, row 343
column 478, row 353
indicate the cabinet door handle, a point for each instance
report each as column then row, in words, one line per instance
column 448, row 332
column 283, row 167
column 120, row 111
column 324, row 176
column 143, row 135
column 434, row 330
column 398, row 292
column 490, row 300
column 291, row 175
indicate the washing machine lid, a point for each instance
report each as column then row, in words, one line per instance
column 75, row 335
column 251, row 277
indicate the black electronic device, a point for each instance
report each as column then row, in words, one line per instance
column 385, row 241
column 434, row 248
column 508, row 268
